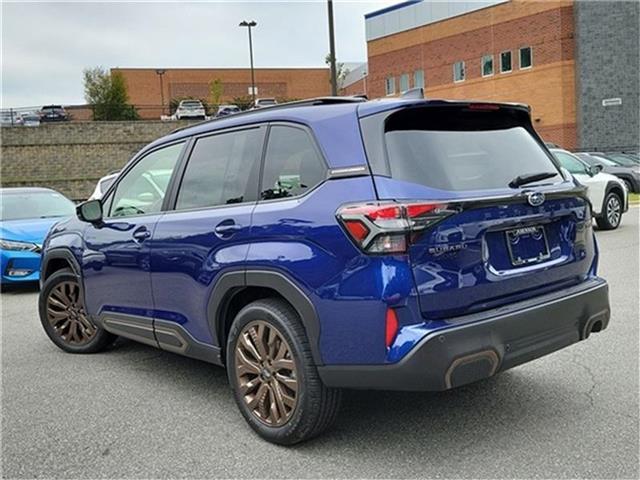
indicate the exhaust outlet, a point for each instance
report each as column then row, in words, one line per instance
column 471, row 368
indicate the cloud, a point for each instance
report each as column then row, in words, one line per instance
column 46, row 45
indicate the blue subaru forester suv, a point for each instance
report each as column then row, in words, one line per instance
column 401, row 244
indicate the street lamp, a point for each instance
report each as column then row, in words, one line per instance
column 250, row 24
column 161, row 72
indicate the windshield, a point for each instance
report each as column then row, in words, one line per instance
column 19, row 206
column 191, row 104
column 603, row 161
column 623, row 160
column 596, row 160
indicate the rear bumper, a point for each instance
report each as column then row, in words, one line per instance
column 475, row 348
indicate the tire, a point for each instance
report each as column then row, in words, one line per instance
column 315, row 406
column 611, row 215
column 629, row 185
column 62, row 315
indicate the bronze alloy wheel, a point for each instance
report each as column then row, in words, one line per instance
column 266, row 373
column 66, row 314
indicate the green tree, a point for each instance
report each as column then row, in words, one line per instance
column 243, row 102
column 107, row 94
column 341, row 70
column 216, row 89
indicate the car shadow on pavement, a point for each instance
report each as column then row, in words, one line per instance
column 20, row 288
column 498, row 409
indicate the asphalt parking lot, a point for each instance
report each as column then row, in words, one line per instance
column 138, row 412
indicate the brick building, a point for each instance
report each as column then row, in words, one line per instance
column 292, row 83
column 564, row 58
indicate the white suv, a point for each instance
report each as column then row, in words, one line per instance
column 190, row 109
column 607, row 193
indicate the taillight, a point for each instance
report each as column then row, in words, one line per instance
column 389, row 227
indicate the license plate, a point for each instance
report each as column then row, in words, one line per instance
column 527, row 245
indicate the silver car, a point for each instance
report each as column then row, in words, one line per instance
column 191, row 109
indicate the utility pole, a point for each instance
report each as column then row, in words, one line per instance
column 161, row 72
column 332, row 51
column 253, row 79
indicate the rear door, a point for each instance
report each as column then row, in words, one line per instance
column 206, row 232
column 489, row 241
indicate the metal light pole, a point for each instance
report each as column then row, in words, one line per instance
column 332, row 51
column 250, row 24
column 161, row 72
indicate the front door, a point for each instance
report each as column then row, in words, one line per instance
column 204, row 235
column 115, row 260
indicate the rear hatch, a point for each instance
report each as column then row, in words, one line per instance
column 491, row 219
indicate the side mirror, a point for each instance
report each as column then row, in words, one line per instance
column 90, row 211
column 595, row 169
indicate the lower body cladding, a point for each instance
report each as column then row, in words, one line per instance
column 162, row 334
column 480, row 345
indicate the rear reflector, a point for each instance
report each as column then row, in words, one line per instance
column 389, row 227
column 391, row 327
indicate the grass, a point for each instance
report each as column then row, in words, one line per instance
column 634, row 198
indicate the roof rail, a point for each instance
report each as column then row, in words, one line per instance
column 309, row 102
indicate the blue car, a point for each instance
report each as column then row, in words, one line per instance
column 401, row 244
column 26, row 215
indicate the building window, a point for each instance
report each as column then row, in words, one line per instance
column 390, row 86
column 487, row 65
column 526, row 59
column 404, row 82
column 418, row 79
column 505, row 62
column 458, row 72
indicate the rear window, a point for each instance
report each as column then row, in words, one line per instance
column 461, row 149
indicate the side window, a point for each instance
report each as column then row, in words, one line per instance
column 570, row 163
column 222, row 170
column 292, row 164
column 142, row 189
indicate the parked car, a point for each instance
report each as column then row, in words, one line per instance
column 31, row 119
column 103, row 185
column 9, row 118
column 190, row 109
column 435, row 244
column 264, row 102
column 53, row 113
column 26, row 215
column 607, row 193
column 630, row 175
column 225, row 110
column 624, row 159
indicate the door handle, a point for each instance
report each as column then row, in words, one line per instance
column 227, row 228
column 141, row 234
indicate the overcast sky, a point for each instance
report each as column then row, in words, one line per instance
column 46, row 45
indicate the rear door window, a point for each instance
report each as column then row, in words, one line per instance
column 222, row 170
column 293, row 165
column 458, row 149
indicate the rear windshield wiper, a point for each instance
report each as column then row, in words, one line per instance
column 530, row 178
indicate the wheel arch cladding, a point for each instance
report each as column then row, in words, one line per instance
column 57, row 259
column 236, row 289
